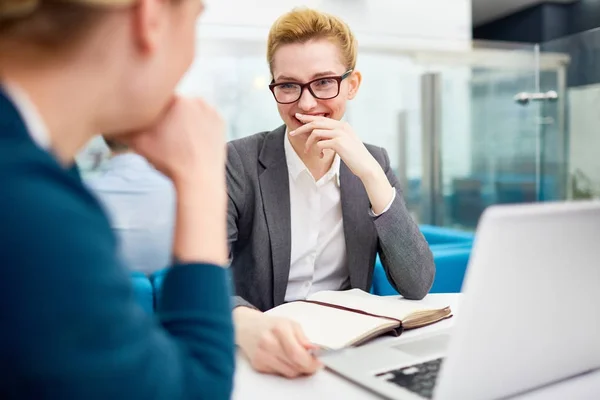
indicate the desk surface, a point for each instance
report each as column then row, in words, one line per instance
column 250, row 384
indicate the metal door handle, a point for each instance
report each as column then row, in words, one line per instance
column 525, row 97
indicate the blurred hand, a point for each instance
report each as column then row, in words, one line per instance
column 186, row 141
column 274, row 345
column 187, row 144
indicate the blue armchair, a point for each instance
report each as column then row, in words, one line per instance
column 143, row 291
column 451, row 251
column 156, row 279
column 446, row 237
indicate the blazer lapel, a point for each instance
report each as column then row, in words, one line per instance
column 359, row 230
column 275, row 191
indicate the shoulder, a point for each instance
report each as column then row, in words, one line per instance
column 245, row 154
column 247, row 146
column 95, row 182
column 103, row 184
column 45, row 204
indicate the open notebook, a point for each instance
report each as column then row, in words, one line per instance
column 338, row 319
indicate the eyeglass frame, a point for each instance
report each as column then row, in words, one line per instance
column 338, row 78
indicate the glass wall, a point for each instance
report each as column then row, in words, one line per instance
column 500, row 135
column 583, row 102
column 497, row 133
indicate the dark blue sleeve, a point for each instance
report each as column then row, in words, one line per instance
column 69, row 325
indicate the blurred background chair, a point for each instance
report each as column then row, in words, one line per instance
column 143, row 291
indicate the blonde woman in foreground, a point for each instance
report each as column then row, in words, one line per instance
column 70, row 326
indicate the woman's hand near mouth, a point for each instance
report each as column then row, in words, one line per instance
column 327, row 133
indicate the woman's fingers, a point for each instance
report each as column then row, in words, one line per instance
column 318, row 135
column 295, row 352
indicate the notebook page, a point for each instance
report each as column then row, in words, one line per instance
column 394, row 307
column 330, row 327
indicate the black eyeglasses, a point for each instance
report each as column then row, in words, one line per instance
column 325, row 88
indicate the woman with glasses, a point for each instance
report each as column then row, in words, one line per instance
column 70, row 325
column 310, row 205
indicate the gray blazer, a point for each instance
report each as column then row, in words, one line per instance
column 258, row 226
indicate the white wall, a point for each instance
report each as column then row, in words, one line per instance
column 584, row 140
column 416, row 24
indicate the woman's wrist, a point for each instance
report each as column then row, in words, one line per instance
column 201, row 231
column 243, row 318
column 378, row 189
column 196, row 178
column 372, row 173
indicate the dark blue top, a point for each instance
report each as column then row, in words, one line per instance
column 69, row 324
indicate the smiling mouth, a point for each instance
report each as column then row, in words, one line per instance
column 326, row 115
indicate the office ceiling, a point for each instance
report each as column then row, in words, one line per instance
column 489, row 10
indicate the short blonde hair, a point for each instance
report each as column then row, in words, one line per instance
column 304, row 24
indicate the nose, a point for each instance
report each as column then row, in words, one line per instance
column 306, row 102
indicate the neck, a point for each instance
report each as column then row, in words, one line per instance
column 317, row 165
column 65, row 97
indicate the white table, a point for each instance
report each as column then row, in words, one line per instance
column 250, row 384
column 324, row 385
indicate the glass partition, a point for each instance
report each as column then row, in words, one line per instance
column 499, row 135
column 582, row 141
column 463, row 129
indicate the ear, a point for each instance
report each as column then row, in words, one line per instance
column 147, row 20
column 354, row 81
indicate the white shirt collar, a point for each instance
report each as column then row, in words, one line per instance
column 296, row 166
column 29, row 113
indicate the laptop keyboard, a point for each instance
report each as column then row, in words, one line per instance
column 419, row 378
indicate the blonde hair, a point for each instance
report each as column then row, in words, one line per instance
column 51, row 24
column 304, row 24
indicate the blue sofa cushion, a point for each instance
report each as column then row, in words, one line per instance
column 436, row 235
column 156, row 279
column 450, row 266
column 142, row 289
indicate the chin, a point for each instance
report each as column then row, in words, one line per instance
column 292, row 123
column 150, row 115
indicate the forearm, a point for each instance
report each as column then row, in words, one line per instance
column 200, row 229
column 195, row 310
column 378, row 188
column 242, row 321
column 404, row 252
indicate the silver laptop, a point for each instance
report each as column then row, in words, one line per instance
column 529, row 315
